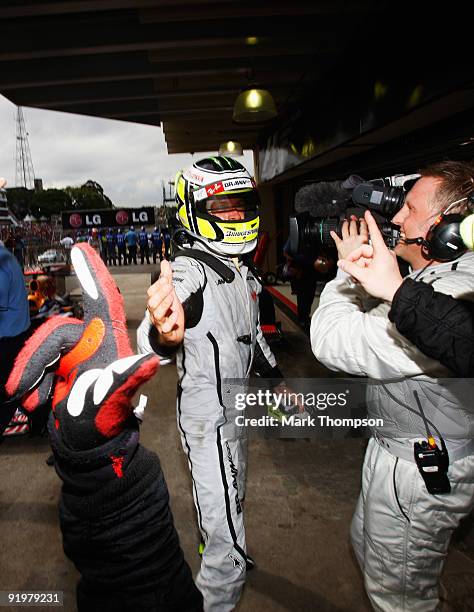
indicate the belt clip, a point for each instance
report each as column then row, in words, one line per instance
column 246, row 339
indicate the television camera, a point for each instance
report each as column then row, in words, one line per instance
column 323, row 207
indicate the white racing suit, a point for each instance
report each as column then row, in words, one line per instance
column 400, row 532
column 222, row 340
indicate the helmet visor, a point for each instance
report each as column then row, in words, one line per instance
column 228, row 206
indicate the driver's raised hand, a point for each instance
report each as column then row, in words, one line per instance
column 164, row 308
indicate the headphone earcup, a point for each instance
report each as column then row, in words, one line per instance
column 470, row 201
column 443, row 240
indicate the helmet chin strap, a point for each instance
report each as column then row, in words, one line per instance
column 221, row 251
column 206, row 244
column 192, row 238
column 209, row 245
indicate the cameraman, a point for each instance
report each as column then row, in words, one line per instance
column 400, row 532
column 441, row 326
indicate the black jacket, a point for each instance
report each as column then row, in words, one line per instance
column 118, row 529
column 439, row 325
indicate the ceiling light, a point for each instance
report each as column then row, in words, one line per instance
column 231, row 148
column 251, row 40
column 254, row 105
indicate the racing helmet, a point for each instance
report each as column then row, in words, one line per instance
column 208, row 194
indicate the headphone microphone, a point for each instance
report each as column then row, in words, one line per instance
column 443, row 241
column 418, row 240
column 450, row 235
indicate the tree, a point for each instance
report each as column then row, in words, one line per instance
column 47, row 202
column 19, row 200
column 87, row 196
column 50, row 202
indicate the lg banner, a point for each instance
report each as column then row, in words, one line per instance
column 123, row 217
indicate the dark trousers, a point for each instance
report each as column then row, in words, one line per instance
column 132, row 253
column 122, row 253
column 111, row 256
column 305, row 288
column 9, row 349
column 144, row 252
column 157, row 253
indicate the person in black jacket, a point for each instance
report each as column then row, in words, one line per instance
column 114, row 508
column 441, row 326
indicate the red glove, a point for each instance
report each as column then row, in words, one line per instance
column 88, row 364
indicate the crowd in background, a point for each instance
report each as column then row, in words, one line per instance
column 28, row 241
column 124, row 247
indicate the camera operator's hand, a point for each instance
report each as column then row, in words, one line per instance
column 374, row 266
column 354, row 234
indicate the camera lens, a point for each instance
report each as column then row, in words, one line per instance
column 393, row 200
column 325, row 227
column 308, row 233
column 386, row 202
column 296, row 225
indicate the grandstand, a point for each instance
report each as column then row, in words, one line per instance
column 36, row 236
column 7, row 218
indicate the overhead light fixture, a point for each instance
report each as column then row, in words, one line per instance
column 251, row 40
column 254, row 105
column 231, row 148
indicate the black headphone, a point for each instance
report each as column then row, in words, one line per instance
column 443, row 240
